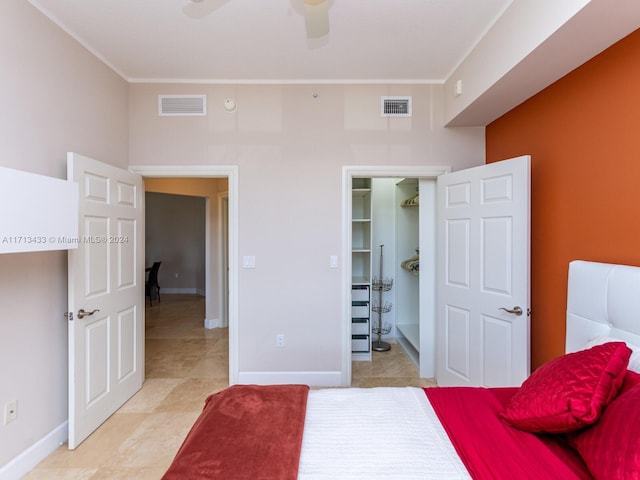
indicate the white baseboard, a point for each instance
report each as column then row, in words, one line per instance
column 180, row 291
column 313, row 379
column 32, row 456
column 210, row 323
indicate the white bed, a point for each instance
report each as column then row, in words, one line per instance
column 387, row 429
column 603, row 303
column 396, row 433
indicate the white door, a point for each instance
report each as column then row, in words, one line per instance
column 482, row 320
column 106, row 280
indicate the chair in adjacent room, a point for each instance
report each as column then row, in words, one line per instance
column 151, row 286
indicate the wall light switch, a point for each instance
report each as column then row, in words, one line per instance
column 334, row 261
column 248, row 261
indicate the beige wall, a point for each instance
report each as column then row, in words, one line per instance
column 290, row 148
column 209, row 188
column 55, row 97
column 175, row 235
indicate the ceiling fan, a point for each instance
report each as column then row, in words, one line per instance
column 316, row 17
column 316, row 13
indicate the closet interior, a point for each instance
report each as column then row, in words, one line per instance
column 386, row 266
column 407, row 266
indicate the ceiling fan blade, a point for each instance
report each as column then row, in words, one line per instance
column 316, row 16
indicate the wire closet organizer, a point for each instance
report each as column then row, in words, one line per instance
column 381, row 285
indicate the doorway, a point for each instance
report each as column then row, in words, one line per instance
column 230, row 173
column 427, row 252
column 499, row 234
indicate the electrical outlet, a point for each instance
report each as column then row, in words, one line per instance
column 177, row 275
column 10, row 411
column 280, row 340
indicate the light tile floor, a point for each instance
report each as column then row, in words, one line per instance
column 184, row 364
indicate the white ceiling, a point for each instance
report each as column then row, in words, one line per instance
column 265, row 40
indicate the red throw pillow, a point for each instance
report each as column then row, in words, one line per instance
column 569, row 392
column 631, row 379
column 611, row 447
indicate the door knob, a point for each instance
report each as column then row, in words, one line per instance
column 515, row 310
column 82, row 313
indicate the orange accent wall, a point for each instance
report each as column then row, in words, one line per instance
column 583, row 135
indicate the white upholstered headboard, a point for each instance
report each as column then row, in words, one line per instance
column 603, row 300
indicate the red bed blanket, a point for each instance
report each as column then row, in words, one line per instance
column 245, row 432
column 492, row 449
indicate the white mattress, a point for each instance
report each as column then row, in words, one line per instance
column 371, row 433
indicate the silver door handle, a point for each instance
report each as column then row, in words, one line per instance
column 515, row 310
column 82, row 313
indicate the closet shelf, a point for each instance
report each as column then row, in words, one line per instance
column 361, row 229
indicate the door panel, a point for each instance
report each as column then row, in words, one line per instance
column 106, row 278
column 127, row 347
column 126, row 254
column 458, row 242
column 457, row 342
column 483, row 270
column 496, row 255
column 497, row 350
column 96, row 256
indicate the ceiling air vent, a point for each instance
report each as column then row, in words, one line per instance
column 395, row 106
column 182, row 105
